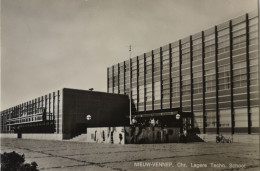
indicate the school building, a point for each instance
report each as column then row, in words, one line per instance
column 210, row 78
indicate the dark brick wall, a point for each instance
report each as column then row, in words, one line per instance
column 106, row 110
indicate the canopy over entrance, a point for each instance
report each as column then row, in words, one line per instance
column 164, row 118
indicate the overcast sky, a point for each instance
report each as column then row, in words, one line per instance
column 51, row 44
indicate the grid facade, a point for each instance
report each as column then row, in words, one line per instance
column 212, row 74
column 65, row 112
column 44, row 111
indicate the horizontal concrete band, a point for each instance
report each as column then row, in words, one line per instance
column 34, row 136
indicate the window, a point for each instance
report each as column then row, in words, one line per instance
column 210, row 54
column 253, row 21
column 224, row 84
column 211, row 86
column 239, row 26
column 185, row 58
column 223, row 32
column 197, row 88
column 225, row 118
column 210, row 80
column 211, row 119
column 240, row 117
column 210, row 48
column 185, row 45
column 196, row 47
column 224, row 77
column 240, row 81
column 157, row 90
column 165, row 52
column 239, row 65
column 223, row 44
column 197, row 41
column 209, row 37
column 210, row 71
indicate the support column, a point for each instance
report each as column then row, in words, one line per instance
column 108, row 80
column 180, row 61
column 152, row 80
column 58, row 112
column 191, row 81
column 216, row 70
column 248, row 76
column 124, row 77
column 118, row 78
column 161, row 77
column 52, row 100
column 137, row 83
column 144, row 82
column 113, row 81
column 203, row 82
column 49, row 99
column 130, row 84
column 170, row 71
column 231, row 79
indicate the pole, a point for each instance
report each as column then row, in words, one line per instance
column 130, row 88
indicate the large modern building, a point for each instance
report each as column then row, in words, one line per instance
column 210, row 78
column 207, row 83
column 66, row 113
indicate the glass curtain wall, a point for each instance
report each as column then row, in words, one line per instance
column 175, row 72
column 213, row 74
column 157, row 79
column 197, row 81
column 141, row 83
column 166, row 77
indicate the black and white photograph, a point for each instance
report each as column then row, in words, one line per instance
column 125, row 85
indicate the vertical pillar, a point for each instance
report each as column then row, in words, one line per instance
column 42, row 102
column 27, row 107
column 49, row 100
column 113, row 81
column 248, row 75
column 203, row 82
column 231, row 78
column 180, row 62
column 108, row 80
column 170, row 71
column 161, row 67
column 216, row 71
column 46, row 110
column 36, row 105
column 58, row 112
column 191, row 80
column 30, row 108
column 124, row 76
column 118, row 78
column 144, row 82
column 137, row 83
column 152, row 80
column 130, row 83
column 53, row 112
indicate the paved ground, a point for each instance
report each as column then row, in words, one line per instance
column 65, row 155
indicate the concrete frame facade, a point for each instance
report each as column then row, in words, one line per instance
column 64, row 113
column 212, row 74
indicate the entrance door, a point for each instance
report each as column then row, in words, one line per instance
column 19, row 134
column 187, row 123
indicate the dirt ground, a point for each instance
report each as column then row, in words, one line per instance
column 67, row 155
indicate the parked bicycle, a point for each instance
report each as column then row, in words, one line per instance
column 222, row 139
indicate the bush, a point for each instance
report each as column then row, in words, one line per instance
column 15, row 162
